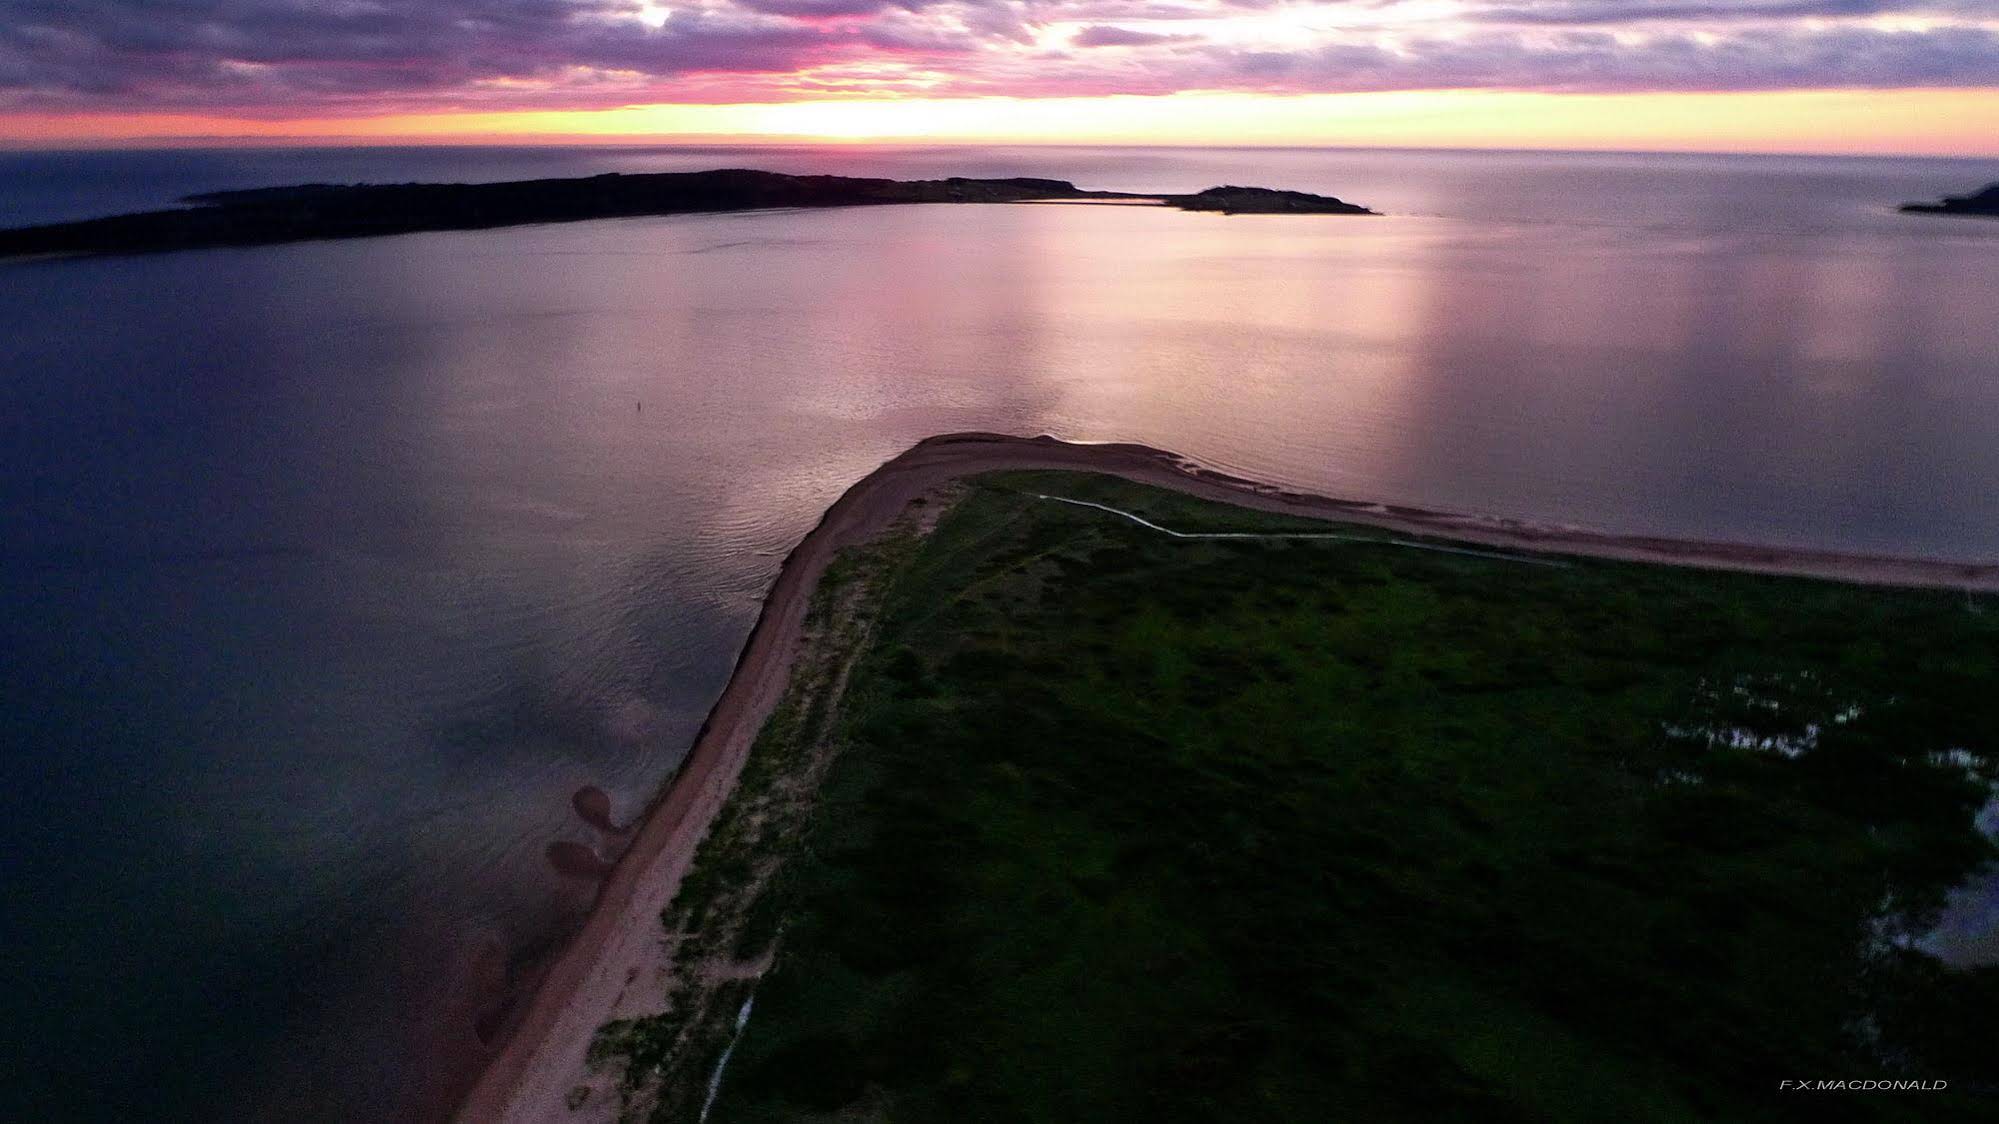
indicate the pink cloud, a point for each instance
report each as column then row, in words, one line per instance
column 276, row 57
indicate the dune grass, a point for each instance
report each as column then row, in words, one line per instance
column 1131, row 828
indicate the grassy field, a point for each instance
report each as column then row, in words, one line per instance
column 1128, row 828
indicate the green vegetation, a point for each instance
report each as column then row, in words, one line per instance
column 1124, row 828
column 723, row 922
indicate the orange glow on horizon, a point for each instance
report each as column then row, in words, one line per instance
column 1942, row 122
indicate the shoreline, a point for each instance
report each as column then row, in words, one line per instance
column 531, row 1069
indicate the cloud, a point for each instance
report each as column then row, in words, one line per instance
column 1101, row 36
column 815, row 9
column 1599, row 63
column 305, row 51
column 1597, row 12
column 280, row 57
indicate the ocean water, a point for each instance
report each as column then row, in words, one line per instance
column 330, row 571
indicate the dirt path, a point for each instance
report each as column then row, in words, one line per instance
column 1311, row 536
column 528, row 1079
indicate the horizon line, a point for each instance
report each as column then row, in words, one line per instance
column 697, row 141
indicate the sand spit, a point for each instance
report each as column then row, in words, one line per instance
column 543, row 1057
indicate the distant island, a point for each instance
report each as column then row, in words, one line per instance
column 1231, row 200
column 1985, row 203
column 306, row 212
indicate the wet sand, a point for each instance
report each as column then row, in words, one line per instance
column 541, row 1057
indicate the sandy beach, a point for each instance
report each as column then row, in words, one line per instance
column 542, row 1057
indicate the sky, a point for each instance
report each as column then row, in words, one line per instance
column 1903, row 76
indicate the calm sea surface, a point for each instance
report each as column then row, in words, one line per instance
column 328, row 572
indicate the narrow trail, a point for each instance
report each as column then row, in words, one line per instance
column 1333, row 536
column 722, row 1066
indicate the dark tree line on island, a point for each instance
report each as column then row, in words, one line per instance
column 1983, row 203
column 319, row 211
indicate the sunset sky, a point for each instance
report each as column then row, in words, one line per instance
column 1777, row 75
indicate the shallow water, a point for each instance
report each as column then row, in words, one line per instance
column 331, row 571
